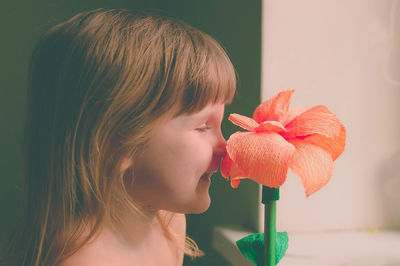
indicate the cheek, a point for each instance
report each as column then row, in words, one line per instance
column 167, row 175
column 197, row 150
column 170, row 161
column 180, row 161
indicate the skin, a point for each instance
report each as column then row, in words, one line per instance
column 171, row 176
column 173, row 171
column 110, row 248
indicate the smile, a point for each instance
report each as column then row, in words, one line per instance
column 207, row 176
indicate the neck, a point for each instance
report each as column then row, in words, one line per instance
column 135, row 229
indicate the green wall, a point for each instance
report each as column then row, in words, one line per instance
column 235, row 24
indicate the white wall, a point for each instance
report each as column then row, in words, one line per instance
column 345, row 55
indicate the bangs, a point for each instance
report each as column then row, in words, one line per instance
column 210, row 75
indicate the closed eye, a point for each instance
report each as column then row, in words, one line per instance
column 203, row 128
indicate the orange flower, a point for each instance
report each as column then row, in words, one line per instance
column 306, row 140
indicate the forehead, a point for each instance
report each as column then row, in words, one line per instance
column 213, row 112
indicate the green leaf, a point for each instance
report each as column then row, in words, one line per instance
column 252, row 247
column 282, row 243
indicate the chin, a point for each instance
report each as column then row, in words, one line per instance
column 200, row 206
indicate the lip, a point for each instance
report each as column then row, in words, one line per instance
column 207, row 176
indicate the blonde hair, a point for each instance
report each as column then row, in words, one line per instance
column 98, row 85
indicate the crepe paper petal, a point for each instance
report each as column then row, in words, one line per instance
column 334, row 147
column 237, row 172
column 292, row 113
column 273, row 109
column 225, row 168
column 262, row 157
column 252, row 247
column 243, row 121
column 228, row 168
column 235, row 183
column 316, row 120
column 312, row 164
column 274, row 126
column 264, row 154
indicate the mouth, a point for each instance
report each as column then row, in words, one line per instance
column 206, row 176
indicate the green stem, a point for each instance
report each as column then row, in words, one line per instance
column 269, row 198
column 270, row 233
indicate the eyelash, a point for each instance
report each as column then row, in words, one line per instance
column 203, row 128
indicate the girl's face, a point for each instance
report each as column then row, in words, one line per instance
column 174, row 169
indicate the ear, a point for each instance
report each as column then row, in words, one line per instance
column 126, row 169
column 125, row 164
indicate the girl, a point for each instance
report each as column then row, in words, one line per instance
column 123, row 135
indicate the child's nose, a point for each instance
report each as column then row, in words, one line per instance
column 218, row 152
column 220, row 147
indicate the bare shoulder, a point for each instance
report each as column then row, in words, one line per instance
column 81, row 259
column 100, row 252
column 90, row 257
column 107, row 249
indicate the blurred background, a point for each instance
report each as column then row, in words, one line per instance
column 235, row 24
column 346, row 56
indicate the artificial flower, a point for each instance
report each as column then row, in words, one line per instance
column 279, row 137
